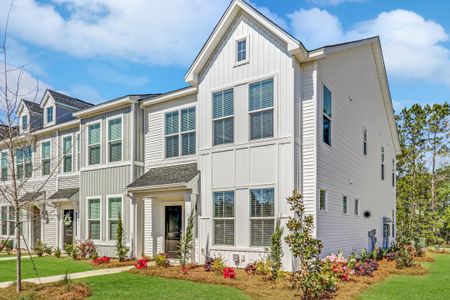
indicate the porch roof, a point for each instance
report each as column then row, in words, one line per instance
column 33, row 196
column 64, row 193
column 163, row 176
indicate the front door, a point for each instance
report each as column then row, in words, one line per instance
column 36, row 221
column 68, row 226
column 173, row 229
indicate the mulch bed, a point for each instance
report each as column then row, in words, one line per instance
column 114, row 263
column 54, row 291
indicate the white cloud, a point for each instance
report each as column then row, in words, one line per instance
column 85, row 92
column 152, row 32
column 271, row 15
column 110, row 75
column 413, row 46
column 333, row 2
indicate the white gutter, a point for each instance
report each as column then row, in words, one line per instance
column 105, row 106
column 179, row 185
column 170, row 96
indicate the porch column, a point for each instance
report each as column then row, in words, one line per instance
column 148, row 234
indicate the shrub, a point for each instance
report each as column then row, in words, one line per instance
column 337, row 265
column 229, row 273
column 185, row 246
column 6, row 246
column 101, row 260
column 86, row 249
column 276, row 250
column 391, row 256
column 250, row 269
column 363, row 256
column 48, row 250
column 75, row 252
column 161, row 260
column 264, row 268
column 121, row 249
column 306, row 249
column 68, row 248
column 218, row 264
column 404, row 259
column 58, row 252
column 365, row 268
column 141, row 264
column 39, row 249
column 207, row 266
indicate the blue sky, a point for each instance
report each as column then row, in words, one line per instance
column 101, row 49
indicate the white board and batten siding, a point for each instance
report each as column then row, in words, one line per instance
column 245, row 164
column 343, row 169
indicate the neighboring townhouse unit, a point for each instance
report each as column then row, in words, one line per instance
column 262, row 116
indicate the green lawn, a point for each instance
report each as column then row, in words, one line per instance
column 131, row 286
column 46, row 266
column 435, row 285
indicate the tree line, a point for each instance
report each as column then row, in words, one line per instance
column 423, row 178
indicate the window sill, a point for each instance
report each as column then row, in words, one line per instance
column 241, row 63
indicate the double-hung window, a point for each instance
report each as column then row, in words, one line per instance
column 344, row 205
column 326, row 115
column 241, row 50
column 94, row 218
column 223, row 213
column 46, row 158
column 67, row 154
column 172, row 137
column 27, row 155
column 323, row 200
column 115, row 139
column 223, row 117
column 24, row 122
column 356, row 207
column 7, row 220
column 364, row 141
column 382, row 163
column 78, row 151
column 94, row 144
column 261, row 109
column 393, row 172
column 4, row 166
column 50, row 114
column 114, row 213
column 19, row 163
column 188, row 131
column 262, row 216
column 23, row 162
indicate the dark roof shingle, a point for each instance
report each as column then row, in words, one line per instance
column 71, row 101
column 166, row 175
column 64, row 193
column 33, row 106
column 33, row 196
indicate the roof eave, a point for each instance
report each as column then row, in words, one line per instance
column 169, row 96
column 125, row 101
column 171, row 186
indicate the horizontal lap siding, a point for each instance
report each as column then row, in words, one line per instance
column 343, row 169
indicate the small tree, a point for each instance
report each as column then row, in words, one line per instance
column 276, row 250
column 121, row 249
column 185, row 246
column 305, row 248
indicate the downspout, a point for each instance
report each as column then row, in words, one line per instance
column 133, row 223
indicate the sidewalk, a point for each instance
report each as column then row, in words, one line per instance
column 14, row 258
column 79, row 275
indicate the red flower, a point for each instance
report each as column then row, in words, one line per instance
column 141, row 264
column 229, row 273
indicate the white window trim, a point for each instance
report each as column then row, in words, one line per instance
column 28, row 122
column 8, row 167
column 87, row 142
column 107, row 214
column 40, row 154
column 78, row 150
column 274, row 102
column 179, row 133
column 275, row 212
column 223, row 218
column 356, row 212
column 33, row 173
column 101, row 217
column 53, row 117
column 71, row 152
column 221, row 118
column 108, row 141
column 326, row 200
column 324, row 115
column 247, row 44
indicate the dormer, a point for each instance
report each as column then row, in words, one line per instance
column 30, row 115
column 49, row 109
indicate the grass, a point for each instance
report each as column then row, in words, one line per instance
column 131, row 286
column 434, row 285
column 46, row 266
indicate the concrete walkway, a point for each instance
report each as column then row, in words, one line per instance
column 99, row 272
column 14, row 258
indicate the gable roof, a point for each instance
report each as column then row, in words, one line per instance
column 64, row 193
column 163, row 176
column 32, row 106
column 294, row 46
column 70, row 101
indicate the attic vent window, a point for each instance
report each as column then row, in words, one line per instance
column 49, row 114
column 241, row 50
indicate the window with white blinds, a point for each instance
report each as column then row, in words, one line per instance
column 45, row 158
column 4, row 166
column 114, row 212
column 67, row 154
column 223, row 217
column 78, row 151
column 326, row 115
column 223, row 117
column 94, row 218
column 27, row 157
column 115, row 139
column 94, row 144
column 19, row 163
column 262, row 216
column 261, row 109
column 4, row 220
column 180, row 125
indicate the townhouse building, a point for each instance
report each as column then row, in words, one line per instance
column 261, row 116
